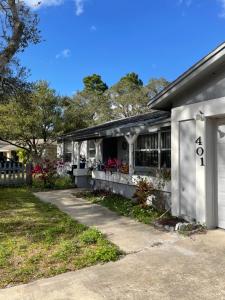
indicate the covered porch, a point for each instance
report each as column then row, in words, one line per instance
column 118, row 153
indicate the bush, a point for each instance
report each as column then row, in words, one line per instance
column 63, row 182
column 104, row 253
column 37, row 183
column 90, row 236
column 144, row 189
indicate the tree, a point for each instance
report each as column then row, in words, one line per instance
column 33, row 122
column 94, row 84
column 128, row 96
column 18, row 30
column 74, row 117
column 88, row 107
column 155, row 86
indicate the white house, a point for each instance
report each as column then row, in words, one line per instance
column 185, row 132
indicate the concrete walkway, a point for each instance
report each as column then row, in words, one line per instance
column 129, row 235
column 159, row 266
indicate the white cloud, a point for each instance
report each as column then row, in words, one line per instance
column 93, row 28
column 222, row 13
column 79, row 7
column 36, row 4
column 39, row 3
column 64, row 54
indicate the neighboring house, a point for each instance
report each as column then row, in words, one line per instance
column 189, row 126
column 8, row 152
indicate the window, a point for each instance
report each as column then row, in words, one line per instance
column 153, row 150
column 91, row 149
column 165, row 161
column 67, row 151
column 146, row 154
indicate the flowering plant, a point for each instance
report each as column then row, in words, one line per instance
column 45, row 171
column 112, row 164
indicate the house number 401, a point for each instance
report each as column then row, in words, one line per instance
column 200, row 150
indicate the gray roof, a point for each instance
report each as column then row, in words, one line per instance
column 151, row 118
column 214, row 58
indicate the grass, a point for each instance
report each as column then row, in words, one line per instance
column 38, row 240
column 121, row 205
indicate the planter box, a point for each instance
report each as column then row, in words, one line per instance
column 126, row 179
column 81, row 172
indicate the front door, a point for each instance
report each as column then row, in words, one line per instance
column 109, row 149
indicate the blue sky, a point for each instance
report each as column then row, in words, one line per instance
column 113, row 37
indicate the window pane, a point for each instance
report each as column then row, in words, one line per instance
column 165, row 159
column 146, row 158
column 91, row 153
column 148, row 141
column 68, row 146
column 91, row 144
column 67, row 157
column 166, row 140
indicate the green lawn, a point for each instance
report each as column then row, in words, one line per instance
column 38, row 240
column 122, row 206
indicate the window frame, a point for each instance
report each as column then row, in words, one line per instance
column 91, row 149
column 159, row 149
column 67, row 153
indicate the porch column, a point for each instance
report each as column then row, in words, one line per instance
column 78, row 154
column 73, row 154
column 97, row 150
column 131, row 140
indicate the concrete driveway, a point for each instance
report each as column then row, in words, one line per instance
column 158, row 265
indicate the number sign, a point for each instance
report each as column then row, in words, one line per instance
column 200, row 150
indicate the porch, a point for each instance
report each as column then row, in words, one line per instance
column 118, row 153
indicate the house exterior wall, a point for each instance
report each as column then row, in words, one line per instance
column 210, row 87
column 204, row 116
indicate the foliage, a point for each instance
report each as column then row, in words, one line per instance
column 97, row 103
column 19, row 28
column 192, row 228
column 45, row 176
column 87, row 107
column 41, row 241
column 144, row 188
column 22, row 154
column 32, row 122
column 90, row 236
column 121, row 205
column 124, row 168
column 46, row 172
column 63, row 182
column 128, row 97
column 155, row 86
column 94, row 84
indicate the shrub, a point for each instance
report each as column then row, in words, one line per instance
column 144, row 189
column 45, row 171
column 104, row 253
column 63, row 182
column 90, row 236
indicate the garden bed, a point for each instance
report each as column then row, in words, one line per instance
column 37, row 240
column 121, row 205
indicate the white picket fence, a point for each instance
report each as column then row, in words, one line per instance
column 14, row 174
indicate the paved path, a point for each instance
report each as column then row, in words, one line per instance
column 129, row 235
column 160, row 265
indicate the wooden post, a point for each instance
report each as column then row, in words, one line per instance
column 78, row 154
column 97, row 148
column 29, row 174
column 131, row 140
